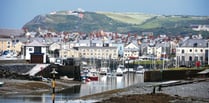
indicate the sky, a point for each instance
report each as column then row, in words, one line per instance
column 16, row 13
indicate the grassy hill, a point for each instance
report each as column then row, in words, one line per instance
column 130, row 18
column 117, row 22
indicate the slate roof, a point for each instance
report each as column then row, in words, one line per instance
column 7, row 32
column 194, row 43
column 34, row 43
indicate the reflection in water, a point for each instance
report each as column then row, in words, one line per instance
column 105, row 83
column 109, row 83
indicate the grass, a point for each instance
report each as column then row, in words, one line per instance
column 130, row 18
column 149, row 62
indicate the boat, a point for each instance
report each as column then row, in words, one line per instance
column 103, row 71
column 140, row 70
column 119, row 70
column 93, row 76
column 84, row 74
column 1, row 84
column 66, row 78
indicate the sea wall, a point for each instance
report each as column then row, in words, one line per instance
column 14, row 70
column 165, row 75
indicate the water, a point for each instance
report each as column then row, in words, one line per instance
column 105, row 83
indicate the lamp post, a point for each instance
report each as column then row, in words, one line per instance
column 53, row 84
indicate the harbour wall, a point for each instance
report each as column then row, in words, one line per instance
column 165, row 75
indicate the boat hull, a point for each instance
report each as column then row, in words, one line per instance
column 92, row 78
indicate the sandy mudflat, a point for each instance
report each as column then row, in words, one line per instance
column 12, row 86
column 140, row 93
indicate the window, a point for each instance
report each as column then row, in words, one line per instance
column 196, row 58
column 195, row 50
column 30, row 49
column 201, row 58
column 183, row 58
column 195, row 45
column 190, row 50
column 182, row 51
column 190, row 58
column 37, row 50
column 201, row 50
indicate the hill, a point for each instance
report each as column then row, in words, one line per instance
column 117, row 22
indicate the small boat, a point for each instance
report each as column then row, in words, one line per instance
column 66, row 78
column 119, row 72
column 1, row 84
column 140, row 70
column 103, row 70
column 93, row 76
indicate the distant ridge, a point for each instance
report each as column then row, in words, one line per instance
column 81, row 21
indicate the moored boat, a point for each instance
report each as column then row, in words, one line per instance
column 1, row 84
column 93, row 77
column 119, row 70
column 103, row 71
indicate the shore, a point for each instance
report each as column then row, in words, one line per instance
column 15, row 86
column 197, row 92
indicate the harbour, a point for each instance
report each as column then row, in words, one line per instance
column 105, row 83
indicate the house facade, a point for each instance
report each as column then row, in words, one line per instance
column 131, row 50
column 99, row 52
column 69, row 53
column 35, row 49
column 192, row 51
column 5, row 44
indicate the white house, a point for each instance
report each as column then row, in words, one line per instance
column 191, row 51
column 54, row 46
column 131, row 50
column 35, row 52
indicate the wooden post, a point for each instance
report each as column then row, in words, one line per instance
column 53, row 85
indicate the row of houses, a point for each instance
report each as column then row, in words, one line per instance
column 185, row 51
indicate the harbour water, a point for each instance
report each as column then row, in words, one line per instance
column 105, row 83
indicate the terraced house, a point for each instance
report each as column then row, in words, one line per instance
column 99, row 52
column 5, row 44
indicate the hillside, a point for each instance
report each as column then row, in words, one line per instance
column 116, row 22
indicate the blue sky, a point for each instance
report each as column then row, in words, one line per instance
column 15, row 13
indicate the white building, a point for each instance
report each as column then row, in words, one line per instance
column 99, row 52
column 191, row 51
column 131, row 50
column 35, row 49
column 200, row 28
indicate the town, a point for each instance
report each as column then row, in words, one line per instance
column 181, row 51
column 99, row 56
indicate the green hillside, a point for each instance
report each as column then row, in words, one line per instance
column 131, row 18
column 90, row 22
column 117, row 22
